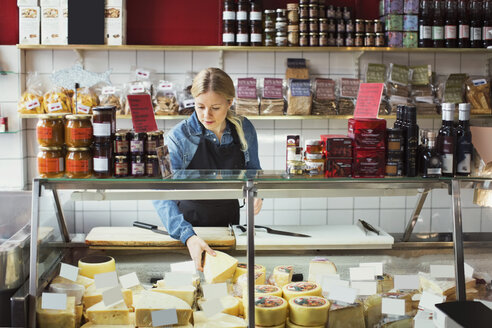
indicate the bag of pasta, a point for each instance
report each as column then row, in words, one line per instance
column 165, row 99
column 349, row 89
column 247, row 97
column 376, row 73
column 112, row 95
column 136, row 88
column 325, row 100
column 299, row 97
column 84, row 100
column 31, row 101
column 58, row 100
column 478, row 95
column 272, row 97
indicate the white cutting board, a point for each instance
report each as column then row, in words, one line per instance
column 322, row 237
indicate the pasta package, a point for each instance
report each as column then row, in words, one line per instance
column 31, row 101
column 247, row 97
column 349, row 89
column 324, row 101
column 478, row 95
column 165, row 99
column 58, row 100
column 299, row 97
column 112, row 95
column 84, row 100
column 272, row 97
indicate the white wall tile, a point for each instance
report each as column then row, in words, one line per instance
column 79, row 221
column 315, row 124
column 178, row 61
column 342, row 63
column 95, row 219
column 123, row 205
column 440, row 198
column 280, row 162
column 150, row 217
column 40, row 61
column 64, row 59
column 122, row 61
column 467, row 198
column 265, row 217
column 288, row 124
column 204, row 59
column 393, row 202
column 281, row 61
column 472, row 219
column 392, row 220
column 286, row 217
column 287, row 203
column 340, row 217
column 32, row 168
column 313, row 217
column 236, row 62
column 266, row 142
column 486, row 219
column 366, row 202
column 10, row 58
column 46, row 81
column 96, row 61
column 32, row 146
column 314, row 203
column 442, row 220
column 11, row 174
column 145, row 205
column 94, row 205
column 261, row 62
column 340, row 203
column 263, row 124
column 267, row 162
column 412, row 201
column 9, row 84
column 318, row 62
column 151, row 59
column 370, row 216
column 447, row 63
column 422, row 59
column 395, row 58
column 177, row 78
column 11, row 146
column 473, row 64
column 267, row 204
column 338, row 125
column 423, row 222
column 120, row 78
column 122, row 218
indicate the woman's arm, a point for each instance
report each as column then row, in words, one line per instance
column 250, row 134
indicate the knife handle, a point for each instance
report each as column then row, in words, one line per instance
column 144, row 225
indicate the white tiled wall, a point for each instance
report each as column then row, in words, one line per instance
column 391, row 213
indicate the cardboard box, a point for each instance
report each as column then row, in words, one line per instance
column 64, row 23
column 29, row 19
column 115, row 22
column 50, row 3
column 51, row 25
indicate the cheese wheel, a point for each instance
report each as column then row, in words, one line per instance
column 242, row 268
column 219, row 268
column 277, row 326
column 242, row 283
column 320, row 266
column 282, row 275
column 101, row 314
column 268, row 290
column 301, row 288
column 186, row 293
column 270, row 310
column 309, row 310
column 289, row 324
column 218, row 320
column 92, row 265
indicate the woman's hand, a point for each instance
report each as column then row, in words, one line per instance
column 258, row 205
column 196, row 247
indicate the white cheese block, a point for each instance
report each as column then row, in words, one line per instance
column 186, row 293
column 301, row 288
column 92, row 265
column 93, row 296
column 101, row 314
column 309, row 310
column 195, row 282
column 219, row 268
column 57, row 318
column 346, row 316
column 219, row 320
column 230, row 305
column 81, row 280
column 444, row 287
column 148, row 301
column 320, row 266
column 268, row 290
column 282, row 275
column 242, row 268
column 289, row 324
column 270, row 310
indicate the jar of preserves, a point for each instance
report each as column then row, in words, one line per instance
column 370, row 40
column 122, row 142
column 270, row 35
column 304, row 2
column 313, row 11
column 281, row 13
column 369, row 24
column 359, row 40
column 79, row 163
column 323, row 39
column 323, row 25
column 340, row 40
column 256, row 34
column 340, row 26
column 50, row 162
column 314, row 39
column 313, row 25
column 332, row 26
column 346, row 14
column 332, row 41
column 229, row 33
column 281, row 39
column 78, row 131
column 153, row 141
column 243, row 8
column 303, row 12
column 103, row 160
column 293, row 35
column 121, row 166
column 313, row 146
column 229, row 11
column 349, row 40
column 322, row 11
column 304, row 39
column 338, row 13
column 255, row 13
column 152, row 166
column 50, row 130
column 138, row 165
column 314, row 165
column 269, row 18
column 242, row 36
column 304, row 26
column 380, row 40
column 349, row 26
column 378, row 26
column 330, row 12
column 281, row 24
column 102, row 123
column 360, row 26
column 137, row 143
column 293, row 13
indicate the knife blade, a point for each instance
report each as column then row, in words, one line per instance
column 148, row 226
column 277, row 232
column 368, row 227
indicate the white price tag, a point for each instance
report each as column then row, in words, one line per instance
column 54, row 301
column 442, row 271
column 378, row 267
column 211, row 308
column 164, row 85
column 178, row 279
column 214, row 291
column 393, row 306
column 108, row 91
column 406, row 282
column 479, row 82
column 33, row 104
column 343, row 294
column 112, row 296
column 189, row 103
column 69, row 272
column 188, row 266
column 55, row 107
column 320, row 277
column 429, row 300
column 106, row 280
column 327, row 283
column 140, row 73
column 365, row 287
column 83, row 109
column 362, row 273
column 164, row 317
column 137, row 89
column 129, row 280
column 468, row 271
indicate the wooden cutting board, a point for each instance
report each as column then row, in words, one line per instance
column 117, row 237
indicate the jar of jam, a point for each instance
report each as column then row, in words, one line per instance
column 314, row 165
column 79, row 163
column 340, row 40
column 242, row 36
column 313, row 11
column 152, row 166
column 340, row 26
column 103, row 160
column 303, row 11
column 121, row 166
column 255, row 13
column 304, row 39
column 270, row 35
column 293, row 13
column 330, row 12
column 349, row 40
column 229, row 11
column 360, row 26
column 50, row 162
column 314, row 39
column 378, row 26
column 323, row 39
column 281, row 24
column 153, row 141
column 229, row 33
column 313, row 146
column 293, row 35
column 137, row 143
column 338, row 13
column 281, row 39
column 269, row 18
column 369, row 26
column 332, row 26
column 322, row 11
column 281, row 13
column 346, row 14
column 102, row 123
column 323, row 25
column 138, row 165
column 50, row 130
column 243, row 8
column 256, row 34
column 122, row 142
column 359, row 40
column 304, row 26
column 380, row 40
column 349, row 26
column 313, row 25
column 332, row 41
column 370, row 40
column 78, row 131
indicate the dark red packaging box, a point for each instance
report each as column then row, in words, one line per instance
column 336, row 145
column 369, row 163
column 369, row 133
column 338, row 167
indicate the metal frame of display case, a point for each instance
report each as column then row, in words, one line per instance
column 250, row 187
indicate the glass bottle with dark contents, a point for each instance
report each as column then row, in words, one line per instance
column 229, row 23
column 431, row 162
column 451, row 24
column 121, row 166
column 122, row 142
column 138, row 165
column 446, row 140
column 476, row 24
column 102, row 123
column 412, row 141
column 487, row 24
column 103, row 160
column 463, row 25
column 152, row 142
column 438, row 25
column 152, row 166
column 425, row 24
column 464, row 146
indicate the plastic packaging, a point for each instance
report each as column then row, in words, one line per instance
column 247, row 102
column 324, row 100
column 112, row 95
column 478, row 95
column 84, row 100
column 272, row 97
column 57, row 100
column 165, row 99
column 299, row 97
column 31, row 101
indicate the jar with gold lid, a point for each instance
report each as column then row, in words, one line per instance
column 50, row 162
column 78, row 162
column 293, row 13
column 152, row 142
column 78, row 131
column 293, row 35
column 50, row 130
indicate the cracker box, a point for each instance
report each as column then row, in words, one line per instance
column 115, row 22
column 51, row 30
column 29, row 19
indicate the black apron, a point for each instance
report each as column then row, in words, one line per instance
column 209, row 156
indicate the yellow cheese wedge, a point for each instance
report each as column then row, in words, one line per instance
column 93, row 296
column 309, row 310
column 268, row 290
column 282, row 275
column 320, row 266
column 148, row 301
column 101, row 314
column 242, row 268
column 444, row 287
column 372, row 309
column 92, row 325
column 219, row 320
column 346, row 316
column 186, row 293
column 269, row 310
column 301, row 288
column 385, row 283
column 79, row 310
column 241, row 306
column 81, row 280
column 289, row 324
column 57, row 318
column 219, row 268
column 230, row 305
column 92, row 265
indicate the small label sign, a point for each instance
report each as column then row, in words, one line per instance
column 442, row 271
column 211, row 308
column 164, row 317
column 343, row 294
column 112, row 296
column 365, row 287
column 362, row 273
column 188, row 266
column 468, row 271
column 406, row 282
column 378, row 267
column 143, row 117
column 429, row 300
column 393, row 306
column 129, row 280
column 214, row 291
column 54, row 301
column 178, row 279
column 106, row 280
column 69, row 272
column 368, row 99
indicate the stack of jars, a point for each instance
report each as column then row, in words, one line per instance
column 242, row 23
column 313, row 158
column 369, row 33
column 312, row 23
column 104, row 124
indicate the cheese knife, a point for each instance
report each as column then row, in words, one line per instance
column 148, row 226
column 367, row 227
column 275, row 232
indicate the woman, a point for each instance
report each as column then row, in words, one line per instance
column 212, row 138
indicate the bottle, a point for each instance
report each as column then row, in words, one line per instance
column 431, row 161
column 476, row 24
column 411, row 141
column 450, row 25
column 425, row 24
column 487, row 24
column 438, row 25
column 403, row 127
column 464, row 147
column 463, row 24
column 398, row 121
column 420, row 150
column 446, row 140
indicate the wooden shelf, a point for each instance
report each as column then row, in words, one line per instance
column 252, row 49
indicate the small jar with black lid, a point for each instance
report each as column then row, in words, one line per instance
column 359, row 40
column 304, row 26
column 269, row 18
column 349, row 39
column 152, row 166
column 330, row 12
column 349, row 26
column 314, row 39
column 340, row 39
column 332, row 26
column 303, row 12
column 369, row 26
column 121, row 166
column 152, row 142
column 332, row 41
column 242, row 36
column 313, row 25
column 138, row 165
column 360, row 26
column 340, row 26
column 304, row 39
column 338, row 13
column 270, row 35
column 102, row 123
column 323, row 39
column 243, row 8
column 281, row 39
column 346, row 13
column 323, row 25
column 313, row 11
column 137, row 143
column 322, row 11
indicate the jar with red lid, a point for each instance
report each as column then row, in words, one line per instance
column 138, row 165
column 121, row 166
column 103, row 123
column 78, row 163
column 50, row 162
column 103, row 160
column 122, row 142
column 78, row 131
column 50, row 130
column 313, row 146
column 152, row 166
column 137, row 143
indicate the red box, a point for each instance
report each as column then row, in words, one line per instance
column 336, row 145
column 369, row 163
column 338, row 167
column 368, row 133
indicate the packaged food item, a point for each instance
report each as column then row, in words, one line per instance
column 398, row 85
column 453, row 90
column 165, row 99
column 299, row 97
column 410, row 39
column 349, row 89
column 58, row 100
column 478, row 94
column 395, row 39
column 50, row 130
column 29, row 21
column 368, row 132
column 78, row 131
column 112, row 95
column 84, row 100
column 336, row 145
column 186, row 101
column 296, row 69
column 141, row 85
column 324, row 100
column 422, row 92
column 246, row 102
column 78, row 163
column 50, row 162
column 369, row 163
column 272, row 97
column 338, row 167
column 376, row 73
column 31, row 101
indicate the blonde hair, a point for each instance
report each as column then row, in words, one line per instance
column 216, row 80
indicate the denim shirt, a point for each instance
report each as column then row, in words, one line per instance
column 182, row 142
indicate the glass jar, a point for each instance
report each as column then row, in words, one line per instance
column 269, row 18
column 50, row 130
column 340, row 40
column 152, row 166
column 255, row 13
column 330, row 12
column 313, row 11
column 313, row 146
column 281, row 24
column 338, row 13
column 304, row 39
column 153, row 141
column 359, row 40
column 360, row 26
column 50, row 162
column 313, row 25
column 281, row 39
column 378, row 26
column 293, row 13
column 340, row 26
column 121, row 166
column 102, row 160
column 314, row 165
column 369, row 26
column 270, row 35
column 138, row 165
column 370, row 40
column 332, row 26
column 137, row 143
column 323, row 25
column 314, row 39
column 349, row 26
column 243, row 8
column 322, row 11
column 102, row 123
column 229, row 11
column 293, row 35
column 346, row 14
column 229, row 33
column 380, row 40
column 281, row 13
column 304, row 26
column 303, row 12
column 332, row 40
column 349, row 40
column 122, row 142
column 295, row 167
column 78, row 163
column 256, row 34
column 323, row 39
column 78, row 131
column 242, row 36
